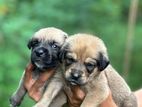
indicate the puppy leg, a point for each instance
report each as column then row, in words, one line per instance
column 96, row 94
column 130, row 101
column 54, row 87
column 18, row 96
column 60, row 100
column 94, row 99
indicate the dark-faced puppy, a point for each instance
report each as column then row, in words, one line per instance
column 86, row 64
column 45, row 46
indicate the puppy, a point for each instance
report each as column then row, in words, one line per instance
column 86, row 64
column 45, row 46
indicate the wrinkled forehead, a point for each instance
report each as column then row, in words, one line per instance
column 50, row 35
column 83, row 53
column 85, row 47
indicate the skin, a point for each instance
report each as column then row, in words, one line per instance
column 34, row 91
column 75, row 99
column 75, row 96
column 28, row 81
column 33, row 86
column 138, row 94
column 108, row 102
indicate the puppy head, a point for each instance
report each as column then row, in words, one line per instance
column 45, row 46
column 84, row 57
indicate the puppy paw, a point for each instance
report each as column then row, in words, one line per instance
column 14, row 101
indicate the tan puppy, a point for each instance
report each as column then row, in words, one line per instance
column 86, row 64
column 45, row 46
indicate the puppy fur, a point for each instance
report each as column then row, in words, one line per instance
column 46, row 36
column 86, row 63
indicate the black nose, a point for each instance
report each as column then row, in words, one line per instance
column 75, row 74
column 40, row 52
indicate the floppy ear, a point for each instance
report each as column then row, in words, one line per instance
column 61, row 55
column 65, row 36
column 29, row 44
column 102, row 62
column 63, row 52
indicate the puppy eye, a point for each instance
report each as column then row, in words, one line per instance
column 35, row 43
column 90, row 67
column 69, row 61
column 54, row 46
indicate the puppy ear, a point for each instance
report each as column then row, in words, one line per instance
column 29, row 44
column 65, row 35
column 61, row 55
column 103, row 62
column 63, row 52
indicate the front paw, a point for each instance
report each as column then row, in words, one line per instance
column 14, row 101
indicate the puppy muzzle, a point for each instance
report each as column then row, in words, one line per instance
column 41, row 52
column 41, row 57
column 75, row 78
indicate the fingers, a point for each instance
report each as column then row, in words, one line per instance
column 35, row 87
column 35, row 95
column 30, row 67
column 108, row 102
column 75, row 96
column 46, row 75
column 78, row 92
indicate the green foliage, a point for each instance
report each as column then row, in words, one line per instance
column 106, row 18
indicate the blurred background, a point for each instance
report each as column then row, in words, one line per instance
column 108, row 19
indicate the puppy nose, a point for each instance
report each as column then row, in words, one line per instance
column 40, row 52
column 75, row 74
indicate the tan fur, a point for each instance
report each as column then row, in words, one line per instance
column 51, row 33
column 81, row 44
column 84, row 48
